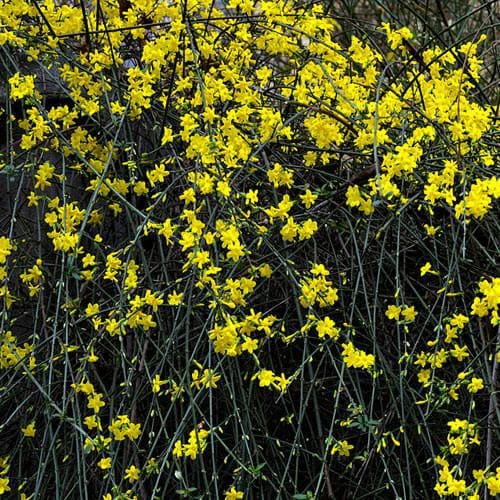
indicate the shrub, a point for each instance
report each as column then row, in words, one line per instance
column 249, row 249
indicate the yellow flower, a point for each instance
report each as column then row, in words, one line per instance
column 223, row 188
column 426, row 268
column 29, row 430
column 252, row 197
column 233, row 494
column 281, row 383
column 167, row 230
column 289, row 230
column 132, row 473
column 88, row 260
column 459, row 353
column 133, row 431
column 91, row 310
column 356, row 358
column 307, row 229
column 493, row 484
column 168, row 136
column 475, row 385
column 393, row 312
column 210, row 378
column 188, row 196
column 424, row 376
column 140, row 188
column 21, row 86
column 249, row 345
column 94, row 402
column 4, row 485
column 342, row 448
column 104, row 463
column 90, row 422
column 326, row 326
column 265, row 271
column 353, row 196
column 265, row 377
column 177, row 451
column 479, row 475
column 409, row 313
column 33, row 199
column 5, row 249
column 456, row 486
column 431, row 230
column 156, row 383
column 308, row 198
column 175, row 298
column 440, row 489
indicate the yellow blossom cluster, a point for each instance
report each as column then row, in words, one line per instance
column 196, row 444
column 451, row 483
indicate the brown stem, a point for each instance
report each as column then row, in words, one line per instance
column 328, row 482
